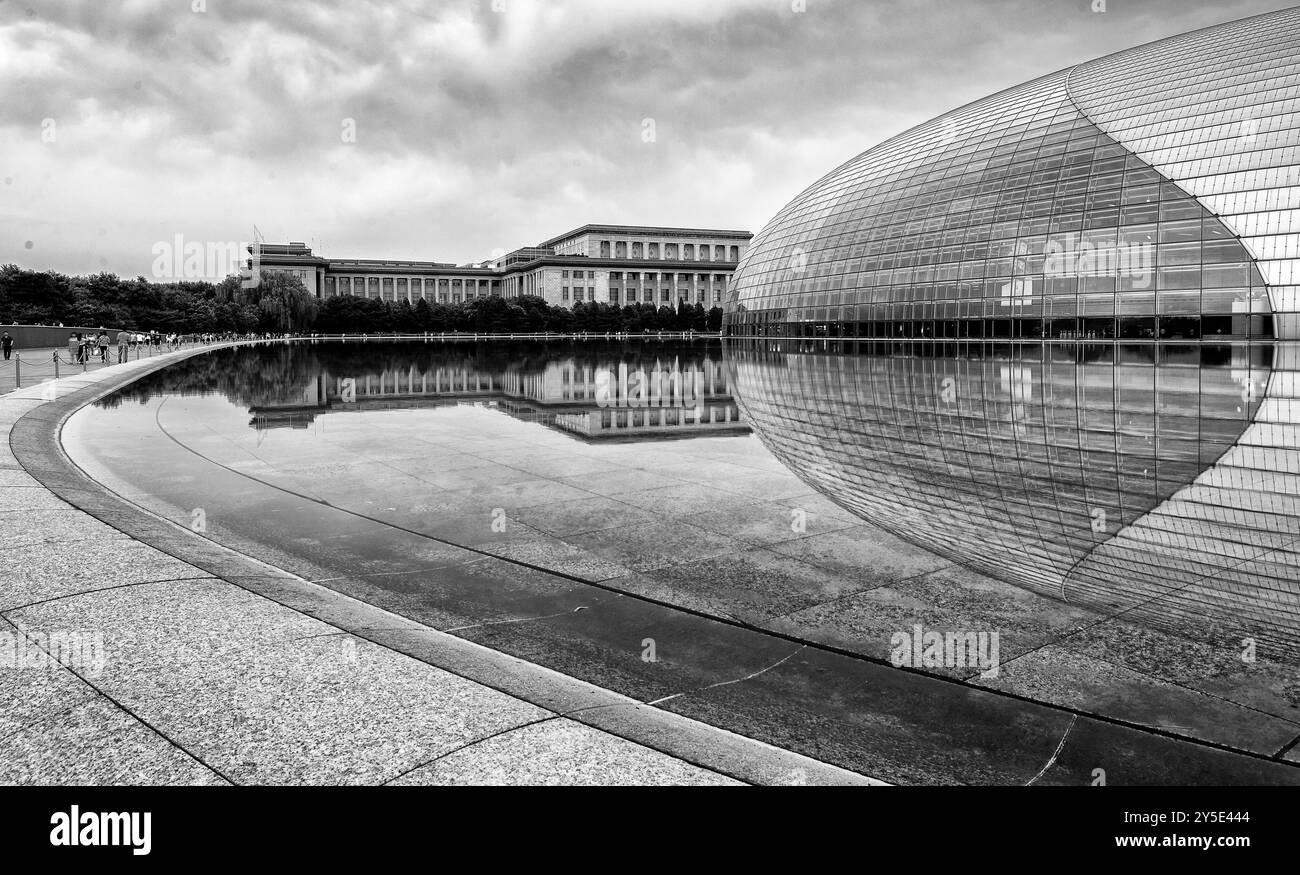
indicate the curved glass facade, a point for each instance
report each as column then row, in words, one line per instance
column 1149, row 195
column 1157, row 483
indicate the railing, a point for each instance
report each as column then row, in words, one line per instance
column 31, row 367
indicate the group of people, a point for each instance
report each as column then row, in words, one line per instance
column 84, row 347
column 88, row 346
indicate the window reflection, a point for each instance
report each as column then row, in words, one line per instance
column 1125, row 477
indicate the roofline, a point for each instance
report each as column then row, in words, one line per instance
column 650, row 230
column 576, row 262
column 648, row 264
column 345, row 266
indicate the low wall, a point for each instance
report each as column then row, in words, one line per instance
column 41, row 336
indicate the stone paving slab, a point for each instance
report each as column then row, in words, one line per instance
column 264, row 694
column 15, row 477
column 17, row 499
column 555, row 753
column 96, row 743
column 33, row 687
column 48, row 570
column 61, row 526
column 1066, row 676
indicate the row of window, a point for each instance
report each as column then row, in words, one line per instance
column 632, row 296
column 577, row 293
column 671, row 251
column 1227, row 327
column 636, row 276
column 439, row 297
column 344, row 282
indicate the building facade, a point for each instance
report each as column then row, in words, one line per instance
column 612, row 264
column 1153, row 194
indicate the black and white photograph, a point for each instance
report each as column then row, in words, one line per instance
column 415, row 412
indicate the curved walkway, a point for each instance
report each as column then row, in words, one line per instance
column 125, row 663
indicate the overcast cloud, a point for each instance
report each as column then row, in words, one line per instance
column 481, row 125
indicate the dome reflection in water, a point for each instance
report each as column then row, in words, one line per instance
column 1156, row 481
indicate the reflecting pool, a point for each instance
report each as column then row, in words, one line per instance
column 772, row 516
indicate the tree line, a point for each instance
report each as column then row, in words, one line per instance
column 280, row 303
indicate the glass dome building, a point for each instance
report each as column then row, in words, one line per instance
column 1153, row 194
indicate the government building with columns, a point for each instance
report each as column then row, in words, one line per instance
column 612, row 264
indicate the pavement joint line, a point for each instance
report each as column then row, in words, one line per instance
column 1109, row 619
column 1056, row 753
column 5, row 612
column 338, row 632
column 1174, row 683
column 849, row 596
column 76, row 539
column 88, row 697
column 472, row 742
column 516, row 620
column 708, row 747
column 53, row 715
column 112, row 700
column 747, row 677
column 1287, row 748
column 369, row 574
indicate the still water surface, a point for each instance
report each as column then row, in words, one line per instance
column 1122, row 518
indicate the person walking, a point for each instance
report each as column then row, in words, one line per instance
column 74, row 347
column 123, row 345
column 7, row 344
column 102, row 342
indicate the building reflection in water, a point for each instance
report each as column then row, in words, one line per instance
column 593, row 391
column 1161, row 481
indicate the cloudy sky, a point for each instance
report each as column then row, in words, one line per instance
column 450, row 129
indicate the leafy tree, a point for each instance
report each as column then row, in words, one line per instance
column 280, row 303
